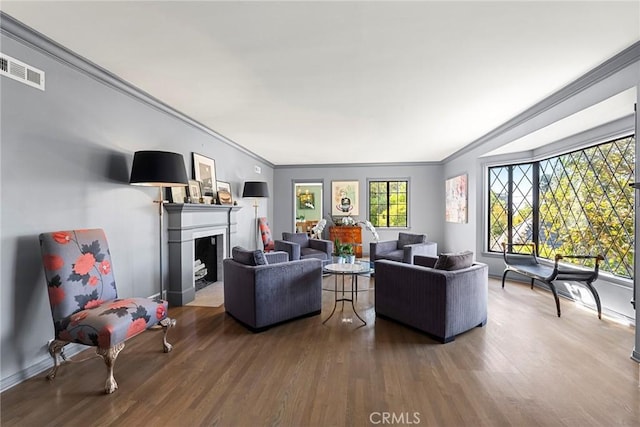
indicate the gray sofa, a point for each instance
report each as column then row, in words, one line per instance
column 441, row 303
column 300, row 246
column 262, row 290
column 404, row 249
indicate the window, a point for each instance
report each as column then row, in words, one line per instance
column 575, row 203
column 388, row 203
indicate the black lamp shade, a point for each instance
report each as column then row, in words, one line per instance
column 255, row 189
column 158, row 169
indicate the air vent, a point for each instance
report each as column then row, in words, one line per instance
column 21, row 72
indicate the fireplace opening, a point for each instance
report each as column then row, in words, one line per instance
column 207, row 264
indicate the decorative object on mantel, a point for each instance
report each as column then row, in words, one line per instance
column 255, row 189
column 195, row 191
column 224, row 193
column 204, row 170
column 179, row 194
column 344, row 197
column 158, row 169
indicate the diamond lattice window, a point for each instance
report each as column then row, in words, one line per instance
column 584, row 204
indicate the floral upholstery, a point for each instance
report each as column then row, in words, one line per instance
column 265, row 232
column 83, row 296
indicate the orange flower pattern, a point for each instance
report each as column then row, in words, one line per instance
column 62, row 237
column 105, row 267
column 52, row 262
column 83, row 295
column 56, row 295
column 104, row 337
column 161, row 313
column 84, row 264
column 136, row 327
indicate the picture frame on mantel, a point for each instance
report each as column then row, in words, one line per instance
column 204, row 170
column 179, row 194
column 195, row 191
column 344, row 198
column 224, row 193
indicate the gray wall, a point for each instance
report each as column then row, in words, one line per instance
column 426, row 208
column 611, row 79
column 66, row 155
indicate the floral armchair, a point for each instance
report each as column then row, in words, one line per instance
column 84, row 300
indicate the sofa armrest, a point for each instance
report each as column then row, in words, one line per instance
column 376, row 248
column 293, row 249
column 426, row 248
column 276, row 257
column 325, row 246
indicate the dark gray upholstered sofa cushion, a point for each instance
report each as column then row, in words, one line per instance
column 454, row 261
column 264, row 295
column 247, row 257
column 440, row 303
column 300, row 246
column 404, row 249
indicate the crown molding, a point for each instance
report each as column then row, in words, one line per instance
column 26, row 35
column 603, row 71
column 358, row 165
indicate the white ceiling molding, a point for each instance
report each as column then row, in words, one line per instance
column 348, row 80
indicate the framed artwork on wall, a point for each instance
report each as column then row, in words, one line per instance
column 204, row 170
column 456, row 199
column 306, row 201
column 344, row 198
column 195, row 191
column 224, row 193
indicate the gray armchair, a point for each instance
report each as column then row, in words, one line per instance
column 441, row 303
column 404, row 249
column 300, row 246
column 262, row 290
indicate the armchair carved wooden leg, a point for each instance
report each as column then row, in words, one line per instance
column 55, row 349
column 109, row 355
column 167, row 323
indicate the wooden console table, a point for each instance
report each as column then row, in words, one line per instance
column 348, row 234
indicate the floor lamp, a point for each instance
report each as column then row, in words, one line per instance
column 255, row 189
column 159, row 169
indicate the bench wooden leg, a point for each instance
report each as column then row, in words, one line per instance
column 555, row 296
column 596, row 297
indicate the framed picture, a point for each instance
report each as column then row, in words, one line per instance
column 456, row 199
column 204, row 170
column 179, row 194
column 306, row 201
column 224, row 193
column 344, row 198
column 195, row 191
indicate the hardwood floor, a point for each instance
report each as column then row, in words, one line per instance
column 526, row 367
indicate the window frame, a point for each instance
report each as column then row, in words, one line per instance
column 408, row 205
column 505, row 161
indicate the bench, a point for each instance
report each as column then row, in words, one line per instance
column 527, row 264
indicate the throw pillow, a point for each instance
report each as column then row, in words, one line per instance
column 246, row 257
column 454, row 261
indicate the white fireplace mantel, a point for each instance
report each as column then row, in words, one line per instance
column 185, row 223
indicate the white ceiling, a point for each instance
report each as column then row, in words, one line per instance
column 343, row 82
